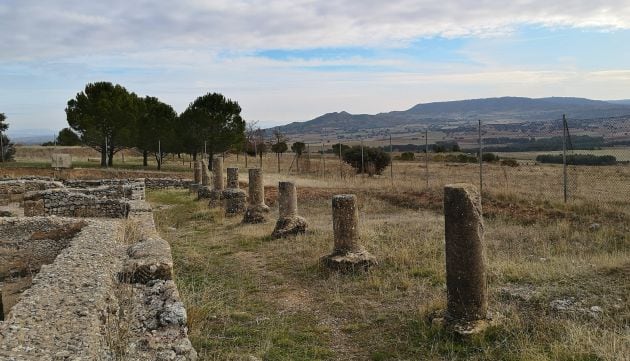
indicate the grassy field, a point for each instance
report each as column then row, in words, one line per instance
column 558, row 285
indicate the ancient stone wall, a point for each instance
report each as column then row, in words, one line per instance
column 100, row 294
column 65, row 202
column 165, row 183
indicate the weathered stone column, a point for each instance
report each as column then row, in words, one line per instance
column 257, row 208
column 216, row 194
column 348, row 254
column 232, row 177
column 205, row 174
column 194, row 187
column 467, row 298
column 217, row 174
column 235, row 199
column 289, row 223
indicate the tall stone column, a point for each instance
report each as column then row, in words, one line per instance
column 289, row 223
column 348, row 254
column 235, row 199
column 467, row 298
column 256, row 209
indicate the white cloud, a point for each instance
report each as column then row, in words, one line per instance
column 35, row 29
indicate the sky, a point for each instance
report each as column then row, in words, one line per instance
column 293, row 60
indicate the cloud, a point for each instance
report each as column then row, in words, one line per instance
column 34, row 29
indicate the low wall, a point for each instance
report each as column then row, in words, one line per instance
column 105, row 297
column 164, row 183
column 65, row 202
column 13, row 190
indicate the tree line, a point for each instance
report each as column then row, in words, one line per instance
column 109, row 118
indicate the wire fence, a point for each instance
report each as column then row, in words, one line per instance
column 560, row 160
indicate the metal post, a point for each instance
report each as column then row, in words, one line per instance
column 362, row 166
column 564, row 157
column 480, row 163
column 426, row 156
column 106, row 153
column 340, row 165
column 323, row 161
column 205, row 151
column 391, row 156
column 160, row 153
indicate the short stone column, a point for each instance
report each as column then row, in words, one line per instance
column 204, row 190
column 289, row 223
column 205, row 174
column 235, row 199
column 217, row 174
column 216, row 194
column 232, row 177
column 466, row 287
column 348, row 254
column 256, row 209
column 194, row 187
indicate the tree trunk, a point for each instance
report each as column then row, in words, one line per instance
column 103, row 156
column 194, row 155
column 210, row 160
column 145, row 156
column 278, row 154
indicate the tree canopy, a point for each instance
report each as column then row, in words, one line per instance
column 102, row 115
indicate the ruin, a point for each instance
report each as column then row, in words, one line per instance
column 289, row 223
column 256, row 208
column 77, row 285
column 204, row 190
column 348, row 254
column 235, row 199
column 467, row 299
column 196, row 184
column 216, row 194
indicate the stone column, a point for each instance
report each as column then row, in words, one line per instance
column 205, row 174
column 216, row 194
column 235, row 199
column 257, row 208
column 196, row 184
column 467, row 298
column 348, row 254
column 197, row 172
column 217, row 174
column 232, row 177
column 289, row 223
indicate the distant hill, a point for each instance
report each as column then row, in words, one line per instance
column 490, row 109
column 31, row 136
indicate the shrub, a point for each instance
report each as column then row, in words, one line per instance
column 407, row 156
column 375, row 160
column 509, row 162
column 489, row 157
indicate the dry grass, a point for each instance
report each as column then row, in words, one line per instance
column 249, row 295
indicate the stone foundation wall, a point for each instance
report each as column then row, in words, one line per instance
column 64, row 202
column 164, row 183
column 103, row 297
column 13, row 190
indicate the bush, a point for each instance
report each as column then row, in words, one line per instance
column 489, row 157
column 509, row 162
column 407, row 156
column 578, row 159
column 375, row 160
column 8, row 149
